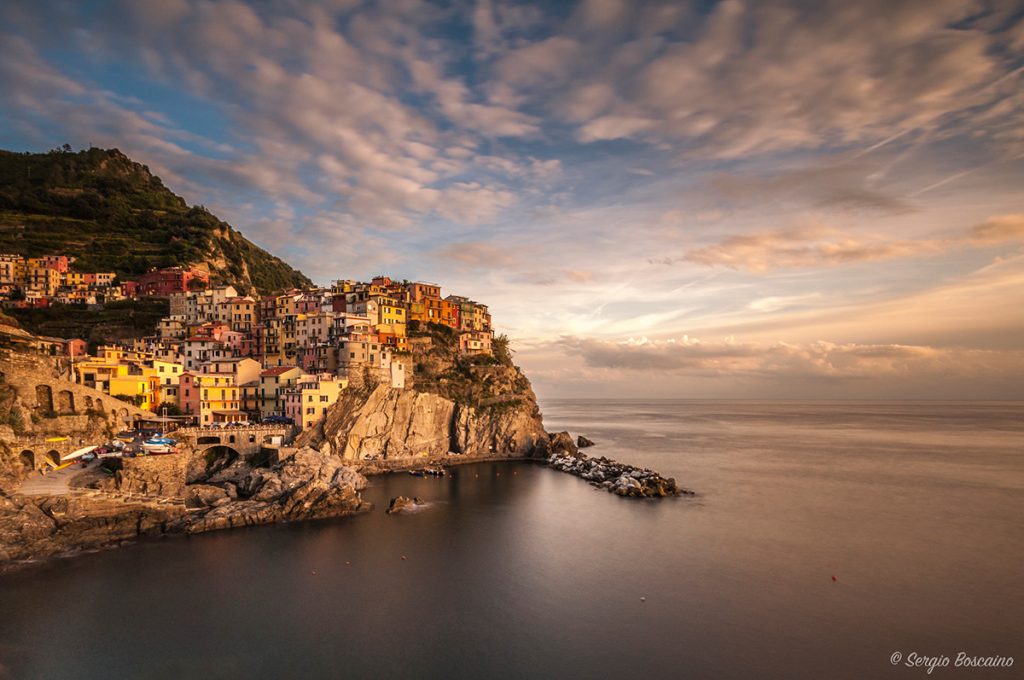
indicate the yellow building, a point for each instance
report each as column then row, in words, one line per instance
column 98, row 372
column 211, row 397
column 309, row 400
column 11, row 268
column 143, row 390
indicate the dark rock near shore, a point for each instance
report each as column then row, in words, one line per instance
column 309, row 485
column 403, row 504
column 618, row 478
column 582, row 442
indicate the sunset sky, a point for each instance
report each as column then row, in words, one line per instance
column 666, row 199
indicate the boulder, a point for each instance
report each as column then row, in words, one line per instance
column 403, row 504
column 205, row 496
column 582, row 442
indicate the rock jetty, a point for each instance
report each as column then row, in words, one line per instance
column 617, row 478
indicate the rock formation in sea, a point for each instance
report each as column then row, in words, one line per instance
column 618, row 478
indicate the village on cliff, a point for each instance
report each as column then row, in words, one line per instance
column 221, row 358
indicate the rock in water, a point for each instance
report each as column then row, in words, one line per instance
column 617, row 478
column 582, row 442
column 403, row 504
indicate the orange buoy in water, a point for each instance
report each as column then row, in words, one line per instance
column 834, row 578
column 404, row 557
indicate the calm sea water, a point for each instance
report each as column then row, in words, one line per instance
column 518, row 571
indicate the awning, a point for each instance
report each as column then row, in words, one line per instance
column 230, row 413
column 79, row 453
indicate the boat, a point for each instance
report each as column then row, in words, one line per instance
column 159, row 444
column 79, row 453
column 428, row 472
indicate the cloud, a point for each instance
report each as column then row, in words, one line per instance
column 820, row 360
column 998, row 229
column 802, row 247
column 836, row 186
column 477, row 255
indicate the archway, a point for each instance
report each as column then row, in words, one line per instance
column 44, row 397
column 219, row 457
column 65, row 402
column 28, row 459
column 231, row 439
column 88, row 403
column 54, row 456
column 123, row 413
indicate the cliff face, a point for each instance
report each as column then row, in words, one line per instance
column 456, row 404
column 394, row 424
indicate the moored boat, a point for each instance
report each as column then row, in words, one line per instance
column 159, row 444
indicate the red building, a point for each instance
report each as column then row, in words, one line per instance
column 76, row 348
column 166, row 282
column 56, row 262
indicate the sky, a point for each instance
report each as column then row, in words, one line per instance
column 760, row 199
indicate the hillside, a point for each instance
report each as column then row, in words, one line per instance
column 112, row 214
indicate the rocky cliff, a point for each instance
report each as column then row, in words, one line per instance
column 308, row 485
column 457, row 405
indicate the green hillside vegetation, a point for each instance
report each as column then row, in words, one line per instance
column 112, row 214
column 119, row 320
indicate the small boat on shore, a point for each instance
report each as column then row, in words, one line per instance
column 436, row 471
column 159, row 444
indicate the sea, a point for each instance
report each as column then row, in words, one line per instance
column 826, row 540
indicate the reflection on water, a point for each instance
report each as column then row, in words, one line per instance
column 518, row 571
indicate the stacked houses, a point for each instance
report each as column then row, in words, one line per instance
column 223, row 357
column 42, row 281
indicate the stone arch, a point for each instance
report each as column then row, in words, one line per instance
column 252, row 439
column 28, row 459
column 44, row 397
column 208, row 440
column 53, row 455
column 231, row 439
column 219, row 457
column 98, row 405
column 123, row 413
column 65, row 402
column 88, row 403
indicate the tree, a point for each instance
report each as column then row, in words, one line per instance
column 502, row 349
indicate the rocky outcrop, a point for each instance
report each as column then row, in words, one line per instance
column 583, row 443
column 162, row 476
column 40, row 527
column 396, row 424
column 400, row 504
column 308, row 485
column 618, row 478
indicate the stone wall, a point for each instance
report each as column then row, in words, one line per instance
column 162, row 476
